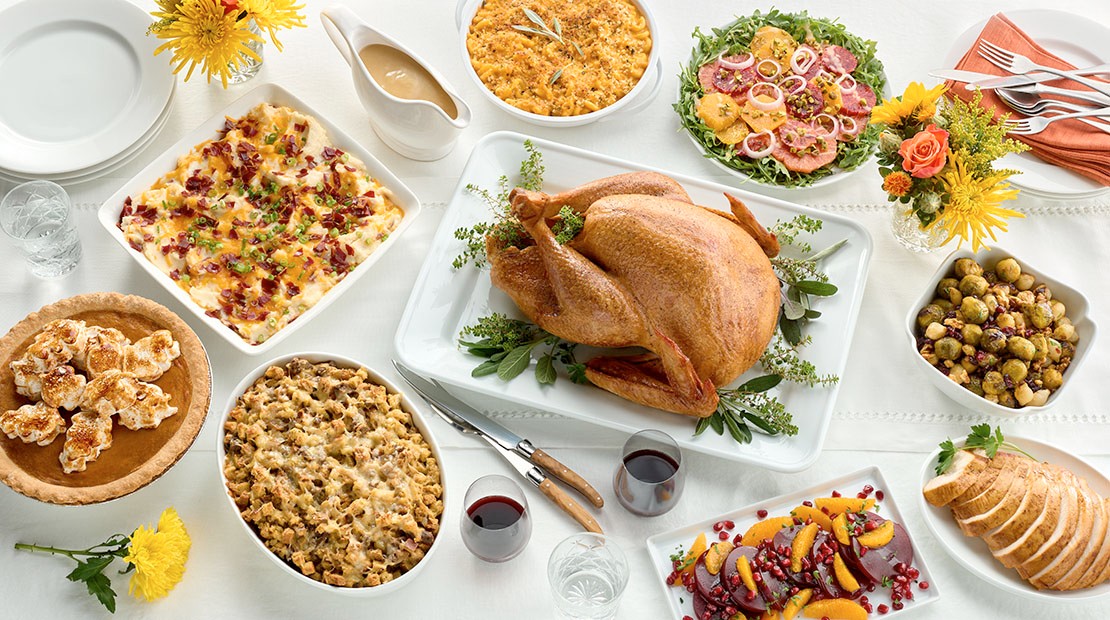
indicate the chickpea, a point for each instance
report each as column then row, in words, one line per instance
column 973, row 285
column 928, row 315
column 1024, row 282
column 1039, row 314
column 1021, row 348
column 968, row 266
column 1005, row 321
column 993, row 383
column 1023, row 394
column 1015, row 369
column 974, row 310
column 972, row 334
column 947, row 348
column 935, row 331
column 1052, row 379
column 945, row 284
column 993, row 340
column 1007, row 270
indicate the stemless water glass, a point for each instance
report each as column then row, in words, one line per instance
column 650, row 477
column 36, row 215
column 588, row 573
column 495, row 523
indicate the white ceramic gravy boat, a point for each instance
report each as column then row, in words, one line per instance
column 414, row 128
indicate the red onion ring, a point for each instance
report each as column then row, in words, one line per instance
column 795, row 63
column 801, row 84
column 760, row 154
column 766, row 106
column 736, row 66
column 774, row 63
column 844, row 78
column 844, row 120
column 832, row 133
column 824, row 75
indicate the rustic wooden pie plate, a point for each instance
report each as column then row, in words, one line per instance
column 136, row 458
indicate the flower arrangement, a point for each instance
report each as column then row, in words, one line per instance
column 216, row 34
column 936, row 156
column 155, row 557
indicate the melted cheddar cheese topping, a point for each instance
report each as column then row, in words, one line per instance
column 258, row 225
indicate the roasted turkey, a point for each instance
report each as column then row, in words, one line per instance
column 650, row 269
column 1037, row 518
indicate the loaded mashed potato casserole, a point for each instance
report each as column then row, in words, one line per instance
column 257, row 225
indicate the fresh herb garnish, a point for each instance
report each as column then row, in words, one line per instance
column 979, row 437
column 569, row 225
column 507, row 344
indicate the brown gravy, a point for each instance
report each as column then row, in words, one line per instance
column 404, row 78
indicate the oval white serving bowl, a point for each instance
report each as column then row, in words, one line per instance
column 645, row 90
column 1078, row 310
column 406, row 404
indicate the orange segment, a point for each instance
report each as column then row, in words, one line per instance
column 803, row 542
column 840, row 529
column 770, row 614
column 837, row 505
column 844, row 576
column 765, row 530
column 763, row 120
column 744, row 568
column 715, row 559
column 796, row 603
column 877, row 537
column 835, row 609
column 804, row 512
column 696, row 550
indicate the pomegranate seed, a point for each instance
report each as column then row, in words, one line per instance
column 687, row 618
column 924, row 585
column 879, row 495
column 900, row 568
column 871, row 588
column 808, row 503
column 862, row 551
column 836, row 493
column 882, row 608
column 749, row 597
column 861, row 495
column 867, row 488
column 824, row 618
column 718, row 525
column 869, row 526
column 729, row 525
column 723, row 535
column 866, row 607
column 912, row 573
column 717, row 590
column 730, row 611
column 793, row 590
column 705, row 615
column 762, row 514
column 897, row 605
column 908, row 594
column 737, row 539
column 689, row 587
column 756, row 577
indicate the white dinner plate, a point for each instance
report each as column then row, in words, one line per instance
column 662, row 546
column 80, row 83
column 973, row 554
column 1079, row 40
column 445, row 300
column 402, row 196
column 104, row 168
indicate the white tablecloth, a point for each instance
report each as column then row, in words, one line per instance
column 886, row 413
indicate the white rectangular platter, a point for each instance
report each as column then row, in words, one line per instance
column 445, row 300
column 108, row 215
column 662, row 546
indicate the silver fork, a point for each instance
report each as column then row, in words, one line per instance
column 1018, row 64
column 1032, row 105
column 1037, row 124
column 1040, row 88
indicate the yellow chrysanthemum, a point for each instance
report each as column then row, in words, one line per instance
column 158, row 557
column 272, row 15
column 916, row 102
column 973, row 212
column 205, row 35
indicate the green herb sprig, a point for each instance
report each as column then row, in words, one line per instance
column 507, row 344
column 979, row 437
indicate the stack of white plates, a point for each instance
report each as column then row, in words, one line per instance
column 81, row 92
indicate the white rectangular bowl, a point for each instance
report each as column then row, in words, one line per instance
column 445, row 300
column 274, row 94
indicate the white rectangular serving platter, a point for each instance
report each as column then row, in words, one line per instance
column 445, row 300
column 662, row 546
column 167, row 161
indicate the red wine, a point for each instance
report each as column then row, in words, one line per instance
column 495, row 512
column 650, row 466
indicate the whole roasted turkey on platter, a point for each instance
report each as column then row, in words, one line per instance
column 650, row 269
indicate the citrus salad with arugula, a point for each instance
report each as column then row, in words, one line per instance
column 782, row 98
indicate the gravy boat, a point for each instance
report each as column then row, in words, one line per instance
column 414, row 128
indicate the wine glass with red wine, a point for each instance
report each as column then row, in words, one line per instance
column 495, row 524
column 650, row 477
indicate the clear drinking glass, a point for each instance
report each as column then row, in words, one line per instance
column 650, row 477
column 495, row 523
column 36, row 215
column 588, row 573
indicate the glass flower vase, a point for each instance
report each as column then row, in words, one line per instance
column 908, row 231
column 246, row 67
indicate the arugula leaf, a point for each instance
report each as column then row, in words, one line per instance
column 947, row 453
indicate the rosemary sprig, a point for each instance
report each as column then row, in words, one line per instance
column 554, row 32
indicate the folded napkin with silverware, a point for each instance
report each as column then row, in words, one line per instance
column 1069, row 144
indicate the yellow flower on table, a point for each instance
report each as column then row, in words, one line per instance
column 973, row 209
column 917, row 103
column 272, row 15
column 204, row 34
column 158, row 556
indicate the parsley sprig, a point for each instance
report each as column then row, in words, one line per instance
column 979, row 437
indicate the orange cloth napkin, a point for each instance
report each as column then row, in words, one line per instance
column 1069, row 143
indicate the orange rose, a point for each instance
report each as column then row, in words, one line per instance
column 926, row 153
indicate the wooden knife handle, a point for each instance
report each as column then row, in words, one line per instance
column 569, row 506
column 567, row 475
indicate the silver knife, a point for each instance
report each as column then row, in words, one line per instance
column 498, row 435
column 973, row 77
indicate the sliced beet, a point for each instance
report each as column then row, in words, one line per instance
column 875, row 565
column 838, row 60
column 739, row 591
column 704, row 581
column 807, row 103
column 701, row 606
